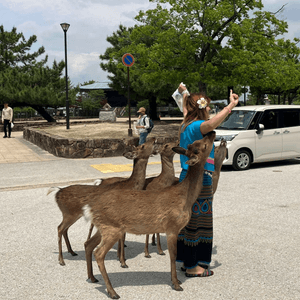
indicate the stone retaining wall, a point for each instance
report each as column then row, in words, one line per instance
column 82, row 148
column 19, row 126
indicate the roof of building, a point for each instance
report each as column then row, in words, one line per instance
column 97, row 86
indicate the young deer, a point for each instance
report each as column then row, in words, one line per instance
column 220, row 154
column 165, row 179
column 169, row 173
column 72, row 199
column 146, row 212
column 111, row 180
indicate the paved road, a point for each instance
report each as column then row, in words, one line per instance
column 256, row 237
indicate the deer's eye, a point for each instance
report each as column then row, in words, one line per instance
column 196, row 151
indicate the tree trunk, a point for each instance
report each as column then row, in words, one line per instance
column 38, row 108
column 202, row 87
column 153, row 108
column 43, row 113
column 278, row 98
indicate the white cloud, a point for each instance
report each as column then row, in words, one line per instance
column 80, row 63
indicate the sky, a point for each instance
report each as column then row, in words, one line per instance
column 91, row 21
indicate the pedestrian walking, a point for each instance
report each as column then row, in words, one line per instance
column 7, row 116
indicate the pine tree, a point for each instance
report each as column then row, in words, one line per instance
column 25, row 79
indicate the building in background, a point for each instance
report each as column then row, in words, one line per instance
column 113, row 98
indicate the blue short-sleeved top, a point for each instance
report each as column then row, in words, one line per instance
column 188, row 136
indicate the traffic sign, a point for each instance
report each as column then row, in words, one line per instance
column 128, row 60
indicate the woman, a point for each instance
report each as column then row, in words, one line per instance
column 194, row 245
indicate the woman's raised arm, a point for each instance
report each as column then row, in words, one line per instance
column 214, row 122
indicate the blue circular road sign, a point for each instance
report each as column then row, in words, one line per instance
column 128, row 60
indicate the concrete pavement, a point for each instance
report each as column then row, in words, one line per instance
column 256, row 236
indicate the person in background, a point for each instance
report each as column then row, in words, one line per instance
column 142, row 125
column 194, row 243
column 7, row 116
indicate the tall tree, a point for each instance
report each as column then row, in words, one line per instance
column 204, row 42
column 25, row 79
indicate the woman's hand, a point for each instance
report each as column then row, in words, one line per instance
column 234, row 99
column 181, row 88
column 214, row 122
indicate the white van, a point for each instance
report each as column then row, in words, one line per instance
column 260, row 133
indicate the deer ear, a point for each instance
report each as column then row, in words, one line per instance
column 192, row 161
column 128, row 155
column 179, row 150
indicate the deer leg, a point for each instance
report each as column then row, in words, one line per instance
column 90, row 231
column 120, row 245
column 89, row 246
column 109, row 238
column 65, row 234
column 147, row 247
column 153, row 240
column 160, row 252
column 121, row 251
column 172, row 246
column 63, row 231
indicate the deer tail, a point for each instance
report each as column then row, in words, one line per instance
column 53, row 189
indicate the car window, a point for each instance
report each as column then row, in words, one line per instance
column 237, row 119
column 270, row 119
column 291, row 118
column 254, row 122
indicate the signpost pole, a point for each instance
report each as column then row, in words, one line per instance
column 128, row 61
column 129, row 110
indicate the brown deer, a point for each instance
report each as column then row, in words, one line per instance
column 164, row 179
column 72, row 199
column 220, row 154
column 167, row 178
column 111, row 180
column 146, row 212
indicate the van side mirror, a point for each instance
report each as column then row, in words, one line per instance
column 260, row 129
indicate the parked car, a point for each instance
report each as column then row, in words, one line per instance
column 260, row 133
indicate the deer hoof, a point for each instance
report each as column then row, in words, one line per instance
column 124, row 266
column 94, row 280
column 153, row 244
column 62, row 263
column 148, row 256
column 73, row 253
column 115, row 296
column 162, row 253
column 178, row 288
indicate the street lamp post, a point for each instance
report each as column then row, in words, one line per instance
column 65, row 27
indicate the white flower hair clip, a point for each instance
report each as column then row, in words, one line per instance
column 202, row 103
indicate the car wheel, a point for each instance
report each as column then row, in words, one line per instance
column 241, row 160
